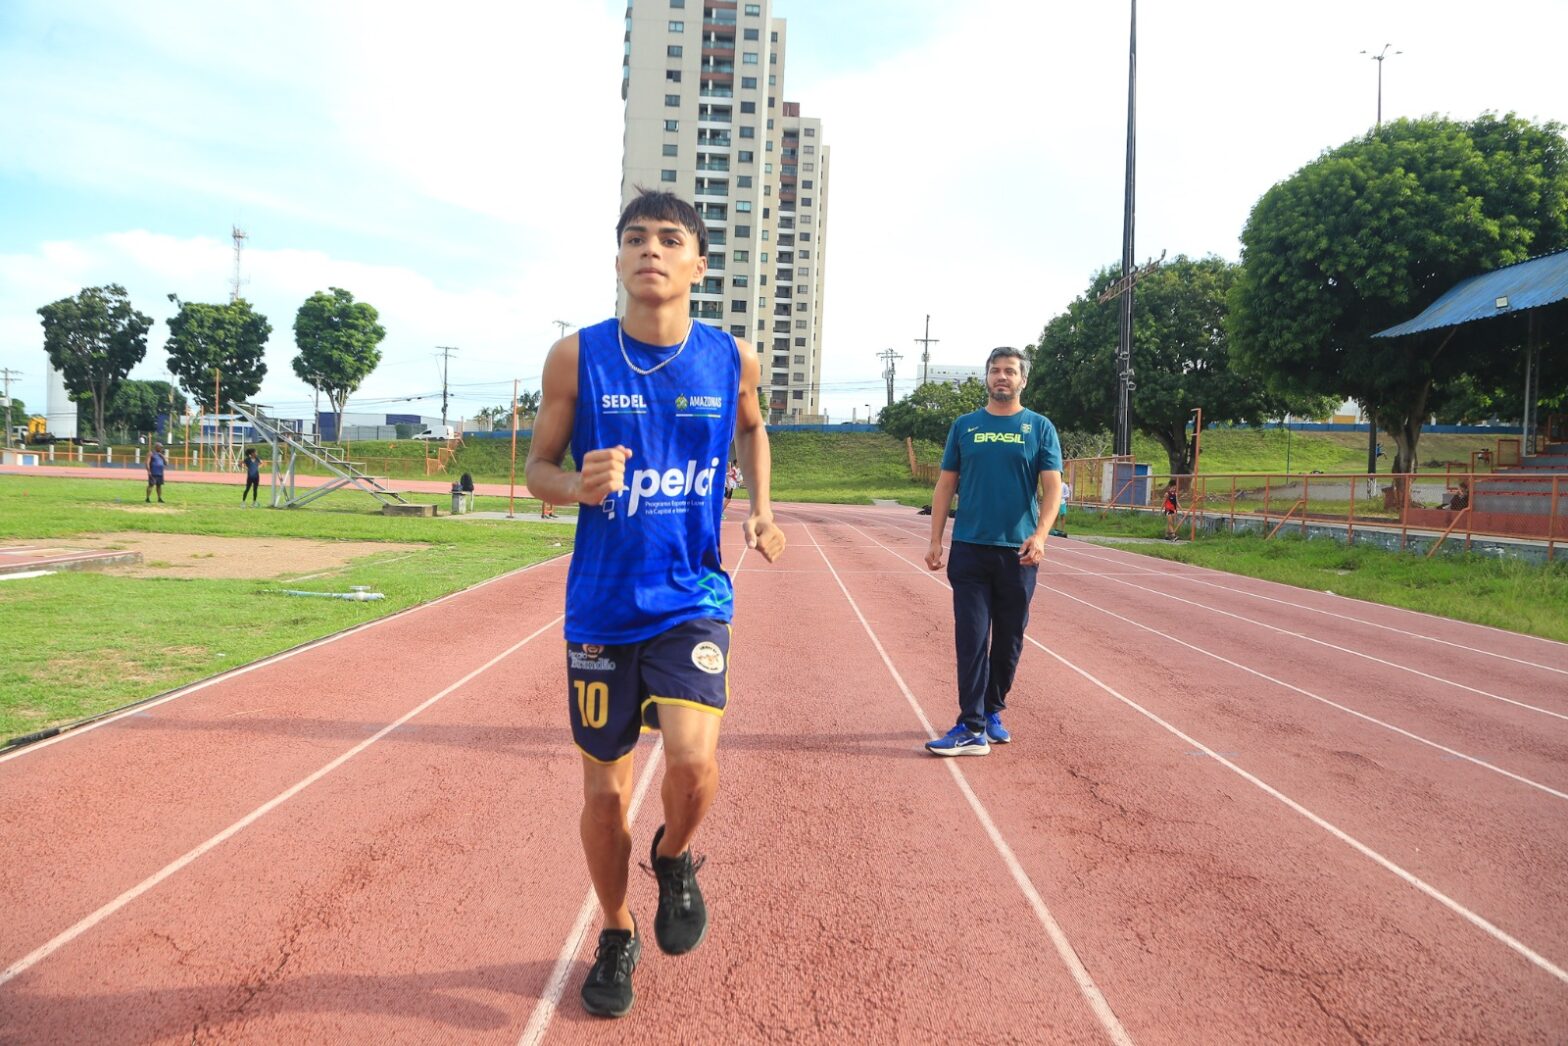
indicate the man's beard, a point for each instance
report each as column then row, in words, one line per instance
column 1003, row 395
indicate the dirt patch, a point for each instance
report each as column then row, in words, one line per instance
column 202, row 556
column 150, row 510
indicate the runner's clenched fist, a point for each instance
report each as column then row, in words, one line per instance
column 603, row 474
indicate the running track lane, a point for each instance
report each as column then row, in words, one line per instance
column 334, row 950
column 1270, row 907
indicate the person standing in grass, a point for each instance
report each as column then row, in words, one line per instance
column 1171, row 506
column 156, row 463
column 252, row 477
column 1005, row 463
column 648, row 406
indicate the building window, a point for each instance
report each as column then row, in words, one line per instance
column 748, row 107
column 774, row 36
column 771, row 100
column 806, row 184
column 809, row 149
column 748, row 83
column 801, row 306
column 811, row 132
column 742, row 232
column 799, row 378
column 752, row 34
column 677, row 27
column 764, row 280
column 805, row 237
column 739, row 330
column 677, row 3
column 767, row 212
column 748, row 132
column 672, row 99
column 745, row 156
column 765, row 234
column 768, row 148
column 799, row 394
column 767, row 190
column 772, row 79
column 762, row 303
column 737, row 304
column 741, row 256
column 738, row 280
column 808, row 167
column 754, row 9
column 805, row 255
column 744, row 206
column 748, row 58
column 673, row 75
column 674, row 50
column 800, row 325
column 805, row 201
column 764, row 257
column 770, row 119
column 743, row 181
column 672, row 125
column 800, row 361
column 803, row 273
column 800, row 343
column 666, row 175
column 671, row 149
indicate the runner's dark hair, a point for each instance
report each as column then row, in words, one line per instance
column 657, row 205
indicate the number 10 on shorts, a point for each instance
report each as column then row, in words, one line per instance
column 593, row 703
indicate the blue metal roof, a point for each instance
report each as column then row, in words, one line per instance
column 1526, row 285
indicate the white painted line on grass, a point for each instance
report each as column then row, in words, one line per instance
column 1469, row 916
column 234, row 673
column 42, row 952
column 1064, row 949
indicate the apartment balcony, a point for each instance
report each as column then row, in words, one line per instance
column 718, row 50
column 785, row 240
column 712, row 190
column 716, row 92
column 716, row 68
column 717, row 78
column 713, row 141
column 782, row 310
column 701, row 313
column 716, row 239
column 780, row 327
column 713, row 165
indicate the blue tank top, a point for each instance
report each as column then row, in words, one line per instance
column 648, row 558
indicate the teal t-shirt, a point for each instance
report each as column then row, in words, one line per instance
column 999, row 461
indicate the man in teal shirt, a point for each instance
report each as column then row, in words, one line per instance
column 1005, row 463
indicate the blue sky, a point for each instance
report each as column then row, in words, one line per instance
column 458, row 166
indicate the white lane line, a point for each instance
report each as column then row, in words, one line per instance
column 555, row 987
column 235, row 673
column 1495, row 932
column 1195, row 578
column 1332, row 646
column 1278, row 682
column 42, row 952
column 1064, row 949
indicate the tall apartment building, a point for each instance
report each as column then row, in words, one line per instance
column 703, row 86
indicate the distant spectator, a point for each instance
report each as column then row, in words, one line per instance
column 731, row 481
column 1060, row 530
column 1461, row 497
column 156, row 463
column 252, row 477
column 465, row 482
column 1172, row 506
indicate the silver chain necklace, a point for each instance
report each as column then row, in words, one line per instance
column 621, row 337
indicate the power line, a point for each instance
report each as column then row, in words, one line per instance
column 890, row 358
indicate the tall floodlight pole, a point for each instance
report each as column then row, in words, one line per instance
column 1371, row 415
column 1123, row 447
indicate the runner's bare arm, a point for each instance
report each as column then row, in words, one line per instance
column 756, row 460
column 603, row 471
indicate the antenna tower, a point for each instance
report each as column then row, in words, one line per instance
column 240, row 236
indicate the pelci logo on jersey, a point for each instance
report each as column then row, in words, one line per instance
column 669, row 490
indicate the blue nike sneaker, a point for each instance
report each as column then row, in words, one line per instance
column 995, row 731
column 959, row 741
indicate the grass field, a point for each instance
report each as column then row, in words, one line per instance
column 76, row 643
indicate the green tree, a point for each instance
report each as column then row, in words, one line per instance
column 930, row 410
column 93, row 340
column 16, row 413
column 1368, row 235
column 137, row 404
column 339, row 344
column 226, row 341
column 1180, row 359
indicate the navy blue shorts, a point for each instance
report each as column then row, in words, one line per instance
column 614, row 692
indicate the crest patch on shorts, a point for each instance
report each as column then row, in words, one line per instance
column 708, row 657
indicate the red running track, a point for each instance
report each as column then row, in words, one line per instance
column 1234, row 812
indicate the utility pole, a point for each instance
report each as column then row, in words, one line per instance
column 1378, row 58
column 446, row 356
column 563, row 325
column 925, row 356
column 240, row 236
column 890, row 359
column 1124, row 384
column 1371, row 416
column 5, row 401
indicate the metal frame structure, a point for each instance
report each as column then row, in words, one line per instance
column 283, row 441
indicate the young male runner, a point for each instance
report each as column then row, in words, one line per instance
column 649, row 406
column 1005, row 462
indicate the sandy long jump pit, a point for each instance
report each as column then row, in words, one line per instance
column 202, row 556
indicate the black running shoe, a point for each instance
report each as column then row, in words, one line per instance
column 608, row 990
column 682, row 921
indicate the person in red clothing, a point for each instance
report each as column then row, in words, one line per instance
column 1172, row 506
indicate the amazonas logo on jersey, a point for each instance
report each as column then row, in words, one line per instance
column 698, row 406
column 660, row 491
